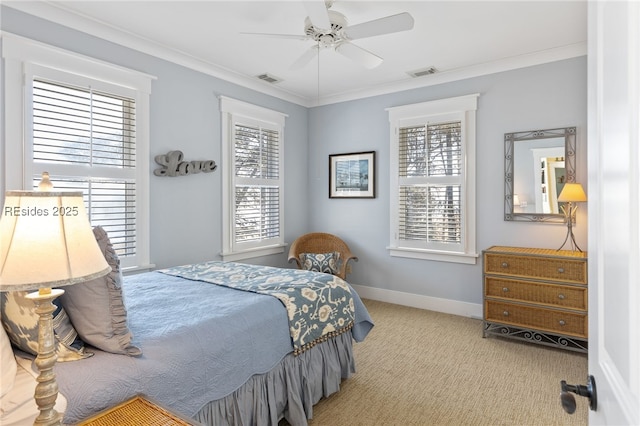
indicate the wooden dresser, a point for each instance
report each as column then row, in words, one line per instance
column 536, row 295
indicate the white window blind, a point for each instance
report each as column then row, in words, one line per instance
column 253, row 181
column 257, row 194
column 77, row 125
column 430, row 209
column 432, row 170
column 86, row 139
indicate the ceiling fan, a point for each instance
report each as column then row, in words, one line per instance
column 330, row 29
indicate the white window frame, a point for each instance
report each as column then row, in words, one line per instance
column 461, row 108
column 235, row 111
column 25, row 59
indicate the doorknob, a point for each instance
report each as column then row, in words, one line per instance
column 569, row 401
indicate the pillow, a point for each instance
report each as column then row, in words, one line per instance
column 321, row 262
column 8, row 364
column 97, row 309
column 20, row 321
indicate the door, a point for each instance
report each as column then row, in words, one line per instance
column 614, row 204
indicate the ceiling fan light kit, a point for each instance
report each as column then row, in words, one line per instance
column 330, row 29
column 330, row 37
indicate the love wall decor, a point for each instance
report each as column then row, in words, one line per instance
column 172, row 165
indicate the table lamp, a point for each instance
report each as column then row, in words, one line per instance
column 46, row 241
column 571, row 193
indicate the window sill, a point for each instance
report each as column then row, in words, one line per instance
column 440, row 256
column 132, row 270
column 248, row 254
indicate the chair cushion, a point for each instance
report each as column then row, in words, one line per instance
column 321, row 262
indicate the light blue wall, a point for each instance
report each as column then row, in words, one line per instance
column 186, row 211
column 540, row 97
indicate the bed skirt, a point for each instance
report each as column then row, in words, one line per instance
column 289, row 390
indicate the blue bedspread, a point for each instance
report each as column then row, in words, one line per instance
column 200, row 342
column 318, row 305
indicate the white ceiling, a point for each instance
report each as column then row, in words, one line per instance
column 459, row 38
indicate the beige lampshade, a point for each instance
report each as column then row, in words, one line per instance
column 46, row 241
column 572, row 192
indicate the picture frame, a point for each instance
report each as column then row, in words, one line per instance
column 352, row 175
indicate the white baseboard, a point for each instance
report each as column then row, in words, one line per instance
column 447, row 306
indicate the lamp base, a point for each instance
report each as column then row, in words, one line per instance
column 47, row 388
column 572, row 242
column 569, row 213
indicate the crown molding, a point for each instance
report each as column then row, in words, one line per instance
column 478, row 70
column 88, row 25
column 73, row 20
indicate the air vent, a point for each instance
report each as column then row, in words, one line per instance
column 423, row 72
column 269, row 78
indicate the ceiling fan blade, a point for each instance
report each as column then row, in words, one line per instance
column 305, row 58
column 358, row 54
column 318, row 14
column 390, row 24
column 287, row 36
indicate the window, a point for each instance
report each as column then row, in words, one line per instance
column 253, row 181
column 87, row 125
column 75, row 126
column 432, row 179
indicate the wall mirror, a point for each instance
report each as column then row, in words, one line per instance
column 537, row 164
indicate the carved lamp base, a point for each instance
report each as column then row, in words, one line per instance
column 47, row 388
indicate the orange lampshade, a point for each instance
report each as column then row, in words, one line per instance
column 572, row 192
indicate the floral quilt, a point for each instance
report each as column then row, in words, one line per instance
column 318, row 305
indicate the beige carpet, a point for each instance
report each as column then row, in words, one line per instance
column 420, row 367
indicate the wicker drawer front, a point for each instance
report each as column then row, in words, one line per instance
column 566, row 270
column 548, row 294
column 539, row 318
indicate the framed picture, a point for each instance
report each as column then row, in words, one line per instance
column 352, row 175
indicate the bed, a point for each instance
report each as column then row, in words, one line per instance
column 211, row 348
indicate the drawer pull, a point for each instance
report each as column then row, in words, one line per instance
column 505, row 265
column 561, row 270
column 505, row 289
column 505, row 313
column 561, row 322
column 561, row 296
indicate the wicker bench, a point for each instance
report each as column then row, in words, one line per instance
column 137, row 411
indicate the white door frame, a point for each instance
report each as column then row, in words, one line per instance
column 614, row 210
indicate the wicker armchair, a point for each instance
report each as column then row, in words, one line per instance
column 320, row 242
